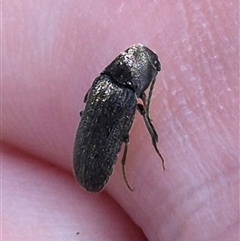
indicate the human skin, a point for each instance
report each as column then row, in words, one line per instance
column 51, row 53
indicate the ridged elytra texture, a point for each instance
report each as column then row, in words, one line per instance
column 111, row 103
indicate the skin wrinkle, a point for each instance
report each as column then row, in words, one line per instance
column 188, row 195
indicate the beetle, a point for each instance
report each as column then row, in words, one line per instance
column 111, row 103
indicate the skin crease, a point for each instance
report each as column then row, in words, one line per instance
column 51, row 53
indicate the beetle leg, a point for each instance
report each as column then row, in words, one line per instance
column 126, row 140
column 143, row 97
column 151, row 130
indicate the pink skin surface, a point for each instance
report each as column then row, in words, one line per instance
column 51, row 53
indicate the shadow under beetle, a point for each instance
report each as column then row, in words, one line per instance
column 108, row 116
